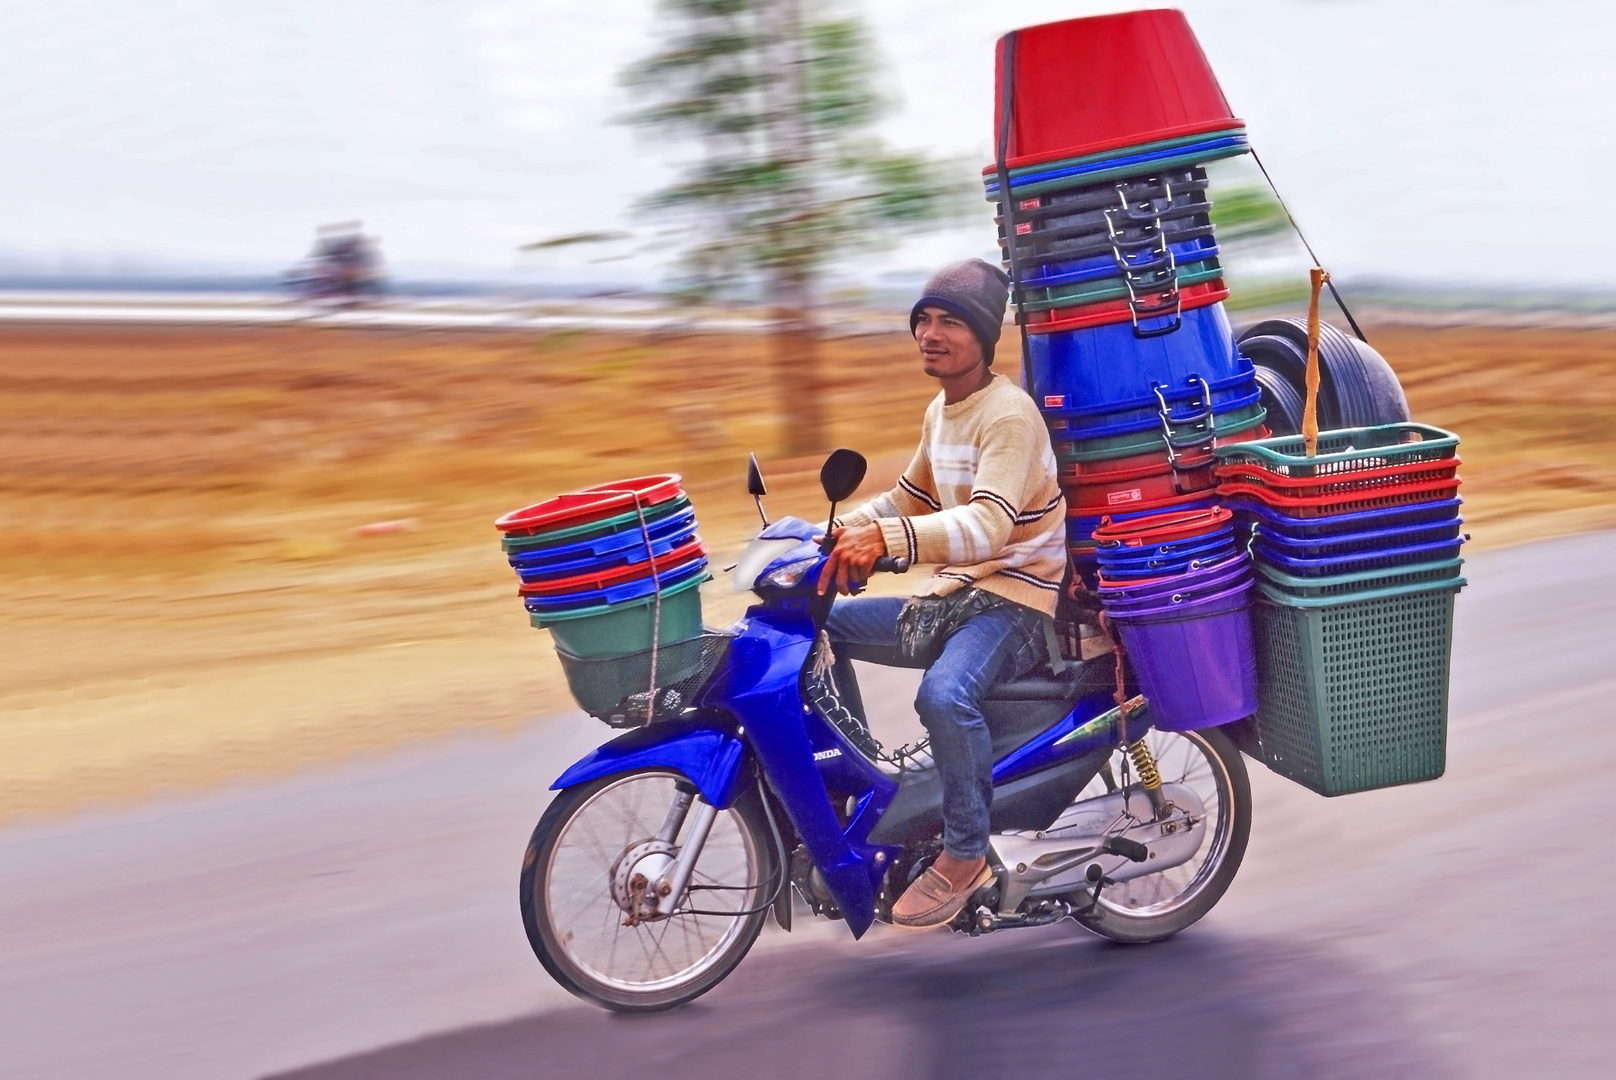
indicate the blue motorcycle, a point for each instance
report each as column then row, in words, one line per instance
column 749, row 772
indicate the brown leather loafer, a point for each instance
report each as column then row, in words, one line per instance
column 931, row 900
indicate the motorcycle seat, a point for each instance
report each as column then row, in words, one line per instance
column 1077, row 680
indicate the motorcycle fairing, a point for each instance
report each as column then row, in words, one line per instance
column 700, row 748
column 792, row 743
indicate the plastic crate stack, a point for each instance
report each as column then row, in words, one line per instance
column 1105, row 228
column 1177, row 587
column 1357, row 555
column 609, row 571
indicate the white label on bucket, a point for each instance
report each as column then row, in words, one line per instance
column 1131, row 495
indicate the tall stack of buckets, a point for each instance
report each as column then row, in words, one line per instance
column 609, row 570
column 1357, row 554
column 1104, row 126
column 1129, row 352
column 1227, row 560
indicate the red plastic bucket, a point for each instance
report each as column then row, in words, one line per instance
column 1141, row 506
column 1164, row 528
column 589, row 504
column 1106, row 82
column 1099, row 494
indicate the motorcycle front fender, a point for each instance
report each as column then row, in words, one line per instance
column 702, row 751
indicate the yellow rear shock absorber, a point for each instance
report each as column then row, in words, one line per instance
column 1149, row 777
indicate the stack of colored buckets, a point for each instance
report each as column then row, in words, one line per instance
column 1134, row 420
column 1107, row 125
column 1357, row 553
column 1130, row 355
column 600, row 567
column 1178, row 589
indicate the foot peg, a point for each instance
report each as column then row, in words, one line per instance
column 1132, row 850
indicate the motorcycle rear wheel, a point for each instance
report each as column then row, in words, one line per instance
column 577, row 928
column 1159, row 905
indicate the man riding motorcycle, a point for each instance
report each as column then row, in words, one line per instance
column 980, row 499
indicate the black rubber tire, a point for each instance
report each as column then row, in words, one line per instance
column 1282, row 400
column 1115, row 925
column 1357, row 387
column 540, row 936
column 1278, row 353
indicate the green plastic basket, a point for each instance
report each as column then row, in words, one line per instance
column 616, row 689
column 1346, row 450
column 1352, row 693
column 620, row 629
column 1344, row 586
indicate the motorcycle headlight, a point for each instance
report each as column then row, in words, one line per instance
column 790, row 575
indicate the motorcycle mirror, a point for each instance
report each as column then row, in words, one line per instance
column 754, row 477
column 842, row 473
column 755, row 486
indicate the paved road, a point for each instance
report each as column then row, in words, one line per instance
column 363, row 916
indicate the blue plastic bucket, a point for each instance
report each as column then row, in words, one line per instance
column 1160, row 570
column 616, row 594
column 1210, row 578
column 549, row 569
column 1196, row 664
column 1208, row 150
column 1102, row 364
column 1207, row 549
column 1100, row 267
column 1211, row 601
column 1224, row 403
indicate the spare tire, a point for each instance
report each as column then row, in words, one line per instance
column 1282, row 400
column 1357, row 387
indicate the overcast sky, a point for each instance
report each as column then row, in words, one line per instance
column 1420, row 139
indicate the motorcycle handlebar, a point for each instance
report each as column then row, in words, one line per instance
column 888, row 564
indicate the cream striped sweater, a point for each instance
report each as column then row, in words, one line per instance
column 980, row 498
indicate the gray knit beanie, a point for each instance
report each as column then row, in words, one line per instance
column 975, row 291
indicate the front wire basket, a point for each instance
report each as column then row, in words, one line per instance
column 615, row 689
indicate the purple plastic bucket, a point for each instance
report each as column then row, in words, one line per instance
column 1220, row 575
column 1182, row 604
column 1195, row 670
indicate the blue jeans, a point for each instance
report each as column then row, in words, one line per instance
column 991, row 647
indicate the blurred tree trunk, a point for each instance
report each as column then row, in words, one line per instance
column 778, row 97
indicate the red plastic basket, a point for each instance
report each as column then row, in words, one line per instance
column 1110, row 81
column 1114, row 311
column 1163, row 528
column 589, row 504
column 1362, row 480
column 1346, row 502
column 604, row 579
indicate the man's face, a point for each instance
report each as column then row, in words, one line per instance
column 948, row 348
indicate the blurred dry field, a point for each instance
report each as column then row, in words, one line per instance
column 190, row 595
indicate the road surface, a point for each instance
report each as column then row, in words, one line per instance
column 359, row 920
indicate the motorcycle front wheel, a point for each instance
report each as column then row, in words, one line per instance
column 1159, row 905
column 576, row 919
